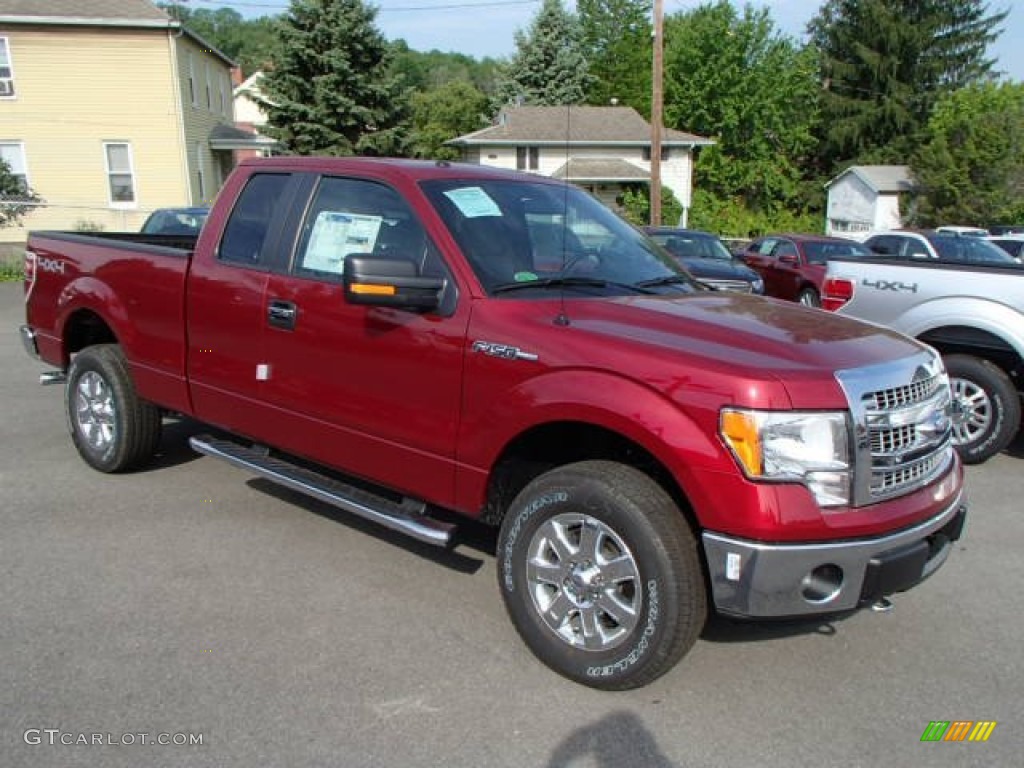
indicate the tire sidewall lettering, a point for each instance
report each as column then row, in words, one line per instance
column 521, row 519
column 643, row 644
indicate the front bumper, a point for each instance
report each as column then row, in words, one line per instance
column 756, row 580
column 28, row 340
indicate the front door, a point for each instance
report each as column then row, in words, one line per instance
column 372, row 390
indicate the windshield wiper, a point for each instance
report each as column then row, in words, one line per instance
column 568, row 282
column 656, row 282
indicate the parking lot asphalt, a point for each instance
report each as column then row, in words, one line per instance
column 194, row 601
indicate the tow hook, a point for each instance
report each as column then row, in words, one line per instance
column 882, row 605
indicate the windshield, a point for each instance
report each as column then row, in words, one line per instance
column 692, row 245
column 970, row 250
column 820, row 253
column 537, row 236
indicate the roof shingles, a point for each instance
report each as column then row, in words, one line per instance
column 575, row 124
column 135, row 10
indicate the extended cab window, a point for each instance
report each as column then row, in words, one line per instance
column 245, row 234
column 350, row 217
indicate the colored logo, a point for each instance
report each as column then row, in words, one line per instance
column 958, row 730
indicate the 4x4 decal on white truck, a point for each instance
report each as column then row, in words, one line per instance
column 886, row 285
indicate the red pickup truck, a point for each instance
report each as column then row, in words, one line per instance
column 400, row 338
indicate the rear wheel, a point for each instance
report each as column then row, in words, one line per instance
column 809, row 298
column 112, row 428
column 986, row 407
column 600, row 575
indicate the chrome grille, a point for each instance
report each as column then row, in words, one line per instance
column 737, row 286
column 897, row 397
column 902, row 430
column 884, row 483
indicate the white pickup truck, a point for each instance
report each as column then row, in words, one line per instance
column 972, row 314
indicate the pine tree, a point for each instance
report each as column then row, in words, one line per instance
column 884, row 65
column 549, row 67
column 330, row 91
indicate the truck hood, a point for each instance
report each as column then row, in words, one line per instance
column 741, row 336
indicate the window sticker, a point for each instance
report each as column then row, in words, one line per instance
column 336, row 235
column 473, row 202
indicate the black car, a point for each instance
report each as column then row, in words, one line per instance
column 705, row 256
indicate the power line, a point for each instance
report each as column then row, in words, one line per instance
column 283, row 6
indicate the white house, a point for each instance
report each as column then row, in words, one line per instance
column 866, row 198
column 599, row 148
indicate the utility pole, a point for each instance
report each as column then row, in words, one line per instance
column 657, row 99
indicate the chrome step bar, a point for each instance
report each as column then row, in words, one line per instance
column 407, row 517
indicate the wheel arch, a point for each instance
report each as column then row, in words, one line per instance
column 545, row 446
column 976, row 342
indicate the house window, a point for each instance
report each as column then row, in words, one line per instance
column 201, row 169
column 209, row 90
column 6, row 70
column 192, row 80
column 120, row 177
column 527, row 158
column 13, row 153
column 664, row 154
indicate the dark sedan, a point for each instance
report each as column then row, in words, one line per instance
column 793, row 266
column 705, row 256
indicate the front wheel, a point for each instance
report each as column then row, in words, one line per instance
column 600, row 575
column 112, row 428
column 986, row 407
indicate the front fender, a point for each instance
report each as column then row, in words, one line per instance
column 680, row 439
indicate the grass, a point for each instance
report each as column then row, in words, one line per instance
column 10, row 273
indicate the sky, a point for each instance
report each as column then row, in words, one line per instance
column 482, row 28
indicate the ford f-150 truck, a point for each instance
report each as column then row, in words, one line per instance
column 973, row 314
column 410, row 339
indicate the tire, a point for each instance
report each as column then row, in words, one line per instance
column 809, row 298
column 986, row 408
column 112, row 428
column 600, row 575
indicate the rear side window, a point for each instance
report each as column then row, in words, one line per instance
column 245, row 234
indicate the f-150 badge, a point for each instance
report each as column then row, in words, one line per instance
column 502, row 350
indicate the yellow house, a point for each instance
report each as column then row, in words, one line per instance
column 110, row 109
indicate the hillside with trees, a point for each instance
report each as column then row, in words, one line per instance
column 874, row 81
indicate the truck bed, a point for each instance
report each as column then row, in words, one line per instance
column 131, row 271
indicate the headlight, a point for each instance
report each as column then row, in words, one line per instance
column 797, row 447
column 757, row 286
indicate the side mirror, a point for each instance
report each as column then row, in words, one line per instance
column 390, row 283
column 789, row 258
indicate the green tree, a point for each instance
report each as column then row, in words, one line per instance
column 616, row 36
column 549, row 67
column 737, row 79
column 16, row 199
column 885, row 63
column 331, row 90
column 442, row 114
column 427, row 70
column 970, row 168
column 251, row 43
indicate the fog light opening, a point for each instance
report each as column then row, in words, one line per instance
column 822, row 584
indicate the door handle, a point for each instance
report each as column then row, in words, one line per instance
column 282, row 314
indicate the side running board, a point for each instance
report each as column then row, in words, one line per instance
column 406, row 517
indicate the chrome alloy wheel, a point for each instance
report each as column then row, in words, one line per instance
column 972, row 411
column 584, row 582
column 95, row 414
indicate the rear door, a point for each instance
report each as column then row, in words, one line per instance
column 372, row 390
column 226, row 306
